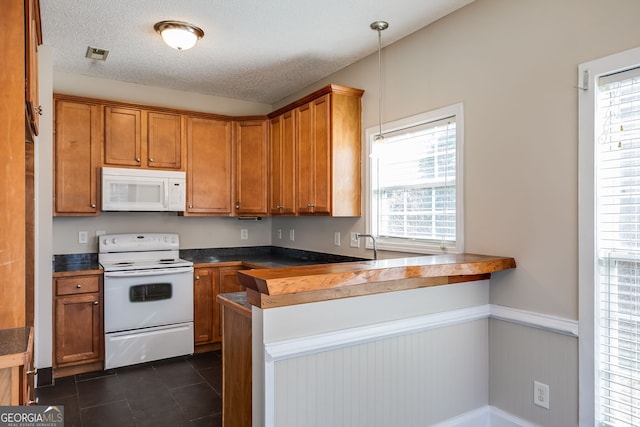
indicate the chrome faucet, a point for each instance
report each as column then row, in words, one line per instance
column 373, row 239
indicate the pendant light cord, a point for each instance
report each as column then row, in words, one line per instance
column 380, row 84
column 379, row 26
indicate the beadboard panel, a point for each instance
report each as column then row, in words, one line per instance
column 416, row 379
column 540, row 355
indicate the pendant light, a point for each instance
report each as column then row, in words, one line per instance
column 379, row 26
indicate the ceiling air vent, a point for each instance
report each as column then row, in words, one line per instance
column 97, row 53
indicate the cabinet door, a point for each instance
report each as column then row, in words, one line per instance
column 79, row 334
column 304, row 150
column 251, row 167
column 228, row 283
column 33, row 38
column 209, row 171
column 322, row 155
column 282, row 165
column 205, row 320
column 76, row 158
column 229, row 280
column 164, row 144
column 313, row 145
column 123, row 137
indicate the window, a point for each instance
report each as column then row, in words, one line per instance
column 415, row 183
column 610, row 241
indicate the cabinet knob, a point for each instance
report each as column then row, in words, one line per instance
column 151, row 159
column 78, row 286
column 279, row 207
column 190, row 206
column 93, row 205
column 32, row 371
column 96, row 302
column 31, row 402
column 310, row 205
column 197, row 277
column 238, row 205
column 138, row 159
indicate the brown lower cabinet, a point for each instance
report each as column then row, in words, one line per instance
column 78, row 326
column 208, row 282
column 16, row 367
column 236, row 363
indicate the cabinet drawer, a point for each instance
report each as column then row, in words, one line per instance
column 77, row 285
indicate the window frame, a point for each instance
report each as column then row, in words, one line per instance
column 418, row 246
column 588, row 75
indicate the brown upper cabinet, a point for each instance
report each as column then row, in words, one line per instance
column 303, row 159
column 282, row 165
column 33, row 38
column 76, row 158
column 250, row 143
column 209, row 158
column 328, row 151
column 135, row 137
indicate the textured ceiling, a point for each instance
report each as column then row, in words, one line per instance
column 253, row 50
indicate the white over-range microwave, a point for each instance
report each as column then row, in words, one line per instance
column 145, row 190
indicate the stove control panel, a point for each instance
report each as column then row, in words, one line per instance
column 142, row 242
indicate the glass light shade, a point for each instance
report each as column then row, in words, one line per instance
column 179, row 35
column 179, row 39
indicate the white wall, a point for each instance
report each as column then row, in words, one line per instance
column 43, row 210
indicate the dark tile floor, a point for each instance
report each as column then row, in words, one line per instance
column 182, row 391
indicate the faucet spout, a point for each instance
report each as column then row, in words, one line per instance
column 373, row 239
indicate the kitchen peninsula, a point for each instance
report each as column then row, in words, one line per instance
column 348, row 343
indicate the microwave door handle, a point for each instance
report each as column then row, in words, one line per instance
column 167, row 202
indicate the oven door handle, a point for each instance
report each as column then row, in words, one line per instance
column 149, row 272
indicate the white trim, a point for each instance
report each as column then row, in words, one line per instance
column 586, row 222
column 330, row 341
column 297, row 347
column 547, row 322
column 456, row 110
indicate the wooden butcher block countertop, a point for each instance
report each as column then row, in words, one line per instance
column 268, row 288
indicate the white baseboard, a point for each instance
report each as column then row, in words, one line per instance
column 487, row 416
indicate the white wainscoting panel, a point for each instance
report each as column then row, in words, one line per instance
column 415, row 379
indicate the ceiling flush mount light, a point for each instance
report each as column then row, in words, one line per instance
column 379, row 26
column 179, row 35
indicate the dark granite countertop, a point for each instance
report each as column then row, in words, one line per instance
column 75, row 262
column 263, row 256
column 239, row 298
column 14, row 341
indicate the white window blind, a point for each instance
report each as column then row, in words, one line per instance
column 413, row 184
column 618, row 248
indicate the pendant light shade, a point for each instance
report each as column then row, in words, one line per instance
column 179, row 35
column 379, row 26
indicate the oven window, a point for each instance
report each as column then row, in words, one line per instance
column 150, row 292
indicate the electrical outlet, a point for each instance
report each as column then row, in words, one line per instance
column 83, row 237
column 354, row 242
column 541, row 394
column 291, row 235
column 279, row 233
column 244, row 234
column 336, row 238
